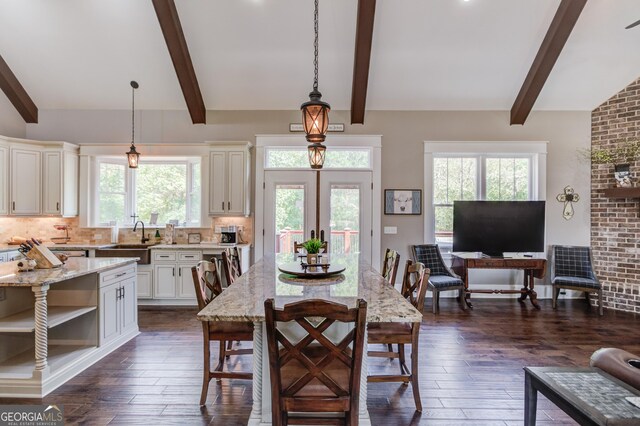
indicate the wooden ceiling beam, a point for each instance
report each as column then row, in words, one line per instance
column 362, row 59
column 555, row 39
column 179, row 51
column 17, row 95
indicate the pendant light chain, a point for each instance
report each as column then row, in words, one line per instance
column 315, row 46
column 133, row 109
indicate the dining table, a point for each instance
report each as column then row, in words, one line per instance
column 244, row 301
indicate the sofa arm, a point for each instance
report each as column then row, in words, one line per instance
column 620, row 364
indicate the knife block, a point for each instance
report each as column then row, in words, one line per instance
column 44, row 258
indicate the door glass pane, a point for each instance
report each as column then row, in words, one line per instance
column 289, row 217
column 345, row 219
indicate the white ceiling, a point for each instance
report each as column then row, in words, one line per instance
column 257, row 54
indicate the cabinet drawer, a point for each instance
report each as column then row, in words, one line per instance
column 164, row 256
column 117, row 275
column 189, row 256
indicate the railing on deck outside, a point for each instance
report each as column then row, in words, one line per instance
column 345, row 241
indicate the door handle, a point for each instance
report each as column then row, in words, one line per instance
column 118, row 294
column 14, row 206
column 180, row 272
column 122, row 295
column 58, row 206
column 223, row 205
column 173, row 271
column 228, row 205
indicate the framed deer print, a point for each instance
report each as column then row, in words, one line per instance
column 403, row 201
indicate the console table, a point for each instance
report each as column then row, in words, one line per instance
column 532, row 267
column 589, row 395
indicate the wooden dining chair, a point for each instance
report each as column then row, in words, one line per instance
column 414, row 288
column 390, row 265
column 231, row 264
column 314, row 375
column 207, row 286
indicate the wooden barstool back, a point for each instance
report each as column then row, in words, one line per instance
column 314, row 374
column 390, row 265
column 231, row 265
column 414, row 283
column 207, row 281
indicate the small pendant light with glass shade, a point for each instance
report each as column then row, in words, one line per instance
column 133, row 156
column 315, row 112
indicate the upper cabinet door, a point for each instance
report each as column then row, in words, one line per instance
column 217, row 183
column 52, row 183
column 25, row 182
column 70, row 184
column 4, row 180
column 236, row 184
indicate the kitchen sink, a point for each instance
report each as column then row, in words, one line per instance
column 141, row 251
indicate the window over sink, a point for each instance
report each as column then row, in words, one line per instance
column 168, row 186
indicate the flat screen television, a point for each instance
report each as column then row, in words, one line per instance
column 496, row 227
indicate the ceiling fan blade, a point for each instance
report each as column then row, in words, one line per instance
column 632, row 25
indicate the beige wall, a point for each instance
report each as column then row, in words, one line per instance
column 402, row 147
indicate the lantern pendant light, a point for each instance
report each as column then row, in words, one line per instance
column 315, row 112
column 133, row 156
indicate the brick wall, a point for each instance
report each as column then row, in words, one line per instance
column 615, row 223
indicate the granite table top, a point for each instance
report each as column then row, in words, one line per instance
column 74, row 267
column 244, row 299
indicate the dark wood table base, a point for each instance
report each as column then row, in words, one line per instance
column 532, row 267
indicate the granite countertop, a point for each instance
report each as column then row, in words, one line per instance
column 201, row 246
column 74, row 267
column 68, row 246
column 244, row 299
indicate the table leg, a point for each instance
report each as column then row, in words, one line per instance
column 256, row 411
column 530, row 401
column 524, row 291
column 465, row 280
column 533, row 296
column 41, row 328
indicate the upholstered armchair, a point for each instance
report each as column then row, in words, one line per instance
column 572, row 268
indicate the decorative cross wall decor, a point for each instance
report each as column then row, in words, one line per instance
column 568, row 198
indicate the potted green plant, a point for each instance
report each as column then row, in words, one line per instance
column 312, row 247
column 620, row 157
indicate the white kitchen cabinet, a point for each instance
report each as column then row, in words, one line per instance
column 4, row 180
column 145, row 282
column 118, row 303
column 60, row 183
column 164, row 281
column 172, row 278
column 229, row 191
column 186, row 289
column 26, row 184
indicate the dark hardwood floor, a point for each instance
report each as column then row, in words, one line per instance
column 470, row 370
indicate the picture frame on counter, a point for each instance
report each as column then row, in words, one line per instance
column 194, row 237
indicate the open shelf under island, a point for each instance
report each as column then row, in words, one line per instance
column 54, row 323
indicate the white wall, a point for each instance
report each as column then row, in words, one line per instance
column 11, row 123
column 403, row 134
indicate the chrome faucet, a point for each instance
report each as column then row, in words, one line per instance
column 143, row 239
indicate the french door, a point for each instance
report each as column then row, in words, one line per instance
column 345, row 210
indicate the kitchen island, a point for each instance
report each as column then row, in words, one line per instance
column 54, row 323
column 244, row 301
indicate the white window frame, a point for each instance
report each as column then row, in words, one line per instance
column 130, row 187
column 536, row 151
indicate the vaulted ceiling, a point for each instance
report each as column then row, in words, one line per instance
column 257, row 54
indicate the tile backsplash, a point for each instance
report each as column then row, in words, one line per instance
column 42, row 228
